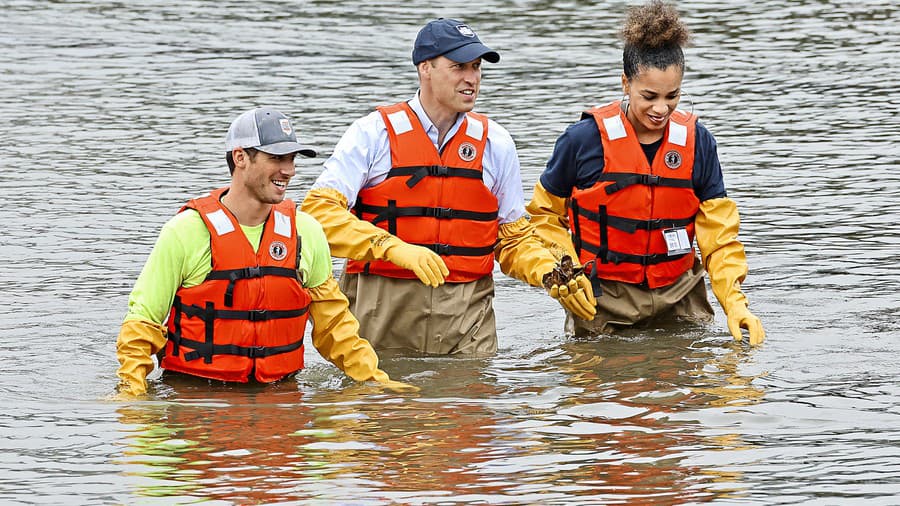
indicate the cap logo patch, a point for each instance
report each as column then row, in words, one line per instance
column 673, row 159
column 467, row 151
column 465, row 31
column 285, row 126
column 277, row 250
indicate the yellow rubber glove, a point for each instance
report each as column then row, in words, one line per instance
column 577, row 297
column 428, row 265
column 716, row 227
column 551, row 222
column 335, row 334
column 523, row 256
column 350, row 237
column 740, row 317
column 521, row 253
column 138, row 341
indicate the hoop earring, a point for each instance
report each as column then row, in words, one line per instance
column 625, row 103
column 689, row 99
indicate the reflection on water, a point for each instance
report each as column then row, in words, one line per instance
column 113, row 115
column 604, row 431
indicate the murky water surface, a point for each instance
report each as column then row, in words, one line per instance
column 113, row 114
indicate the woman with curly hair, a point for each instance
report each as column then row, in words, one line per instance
column 629, row 188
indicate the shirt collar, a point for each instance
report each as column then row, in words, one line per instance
column 416, row 105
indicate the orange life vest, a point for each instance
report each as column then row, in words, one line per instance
column 619, row 221
column 250, row 313
column 431, row 199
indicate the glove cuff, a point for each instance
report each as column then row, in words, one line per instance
column 382, row 245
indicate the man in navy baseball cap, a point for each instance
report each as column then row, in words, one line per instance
column 452, row 39
column 421, row 197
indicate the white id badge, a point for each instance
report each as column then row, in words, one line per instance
column 677, row 241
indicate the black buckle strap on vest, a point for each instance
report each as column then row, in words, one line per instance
column 600, row 217
column 205, row 313
column 176, row 336
column 576, row 226
column 447, row 213
column 624, row 179
column 449, row 249
column 209, row 332
column 232, row 275
column 617, row 257
column 243, row 351
column 208, row 314
column 603, row 220
column 391, row 212
column 418, row 173
column 644, row 260
column 259, row 315
column 630, row 225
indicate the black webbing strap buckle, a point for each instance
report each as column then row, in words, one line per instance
column 428, row 170
column 251, row 272
column 624, row 181
column 439, row 212
column 613, row 188
column 257, row 352
column 650, row 179
column 257, row 315
column 642, row 260
column 236, row 274
column 657, row 224
column 617, row 258
column 252, row 352
column 468, row 251
column 442, row 249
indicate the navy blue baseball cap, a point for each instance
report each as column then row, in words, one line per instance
column 451, row 39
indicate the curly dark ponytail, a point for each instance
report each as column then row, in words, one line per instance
column 653, row 35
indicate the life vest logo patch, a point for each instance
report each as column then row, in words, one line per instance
column 277, row 250
column 673, row 159
column 465, row 31
column 285, row 126
column 467, row 151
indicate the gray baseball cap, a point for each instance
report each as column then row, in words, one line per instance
column 267, row 130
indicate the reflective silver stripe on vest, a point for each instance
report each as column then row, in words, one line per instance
column 400, row 122
column 220, row 222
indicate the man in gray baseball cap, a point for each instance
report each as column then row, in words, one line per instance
column 226, row 293
column 263, row 129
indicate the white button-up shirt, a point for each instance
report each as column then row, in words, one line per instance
column 362, row 158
